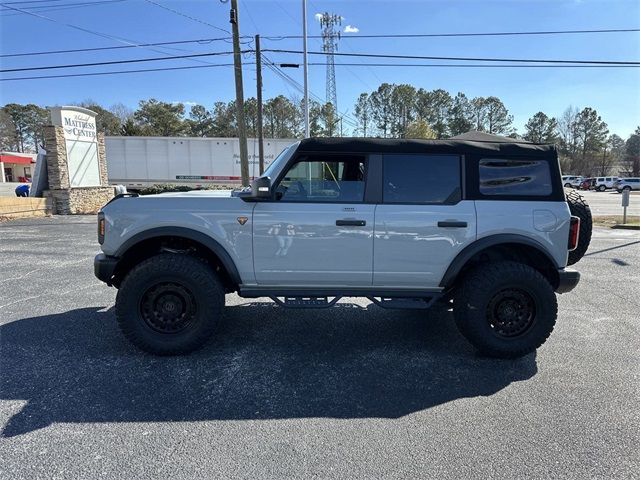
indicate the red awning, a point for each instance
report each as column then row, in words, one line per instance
column 15, row 159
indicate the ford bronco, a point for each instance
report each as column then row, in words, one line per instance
column 483, row 225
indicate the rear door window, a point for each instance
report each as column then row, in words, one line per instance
column 421, row 179
column 515, row 177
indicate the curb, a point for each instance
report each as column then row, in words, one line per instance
column 626, row 227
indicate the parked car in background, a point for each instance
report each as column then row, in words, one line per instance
column 628, row 184
column 587, row 184
column 572, row 181
column 604, row 183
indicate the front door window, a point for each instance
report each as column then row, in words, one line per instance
column 323, row 181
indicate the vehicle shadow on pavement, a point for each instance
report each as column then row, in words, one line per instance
column 266, row 362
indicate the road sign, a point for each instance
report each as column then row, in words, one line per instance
column 625, row 204
column 625, row 198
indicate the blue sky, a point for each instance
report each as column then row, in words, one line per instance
column 615, row 93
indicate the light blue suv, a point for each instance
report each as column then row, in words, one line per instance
column 405, row 223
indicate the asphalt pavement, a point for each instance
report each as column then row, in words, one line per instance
column 610, row 202
column 354, row 391
column 8, row 189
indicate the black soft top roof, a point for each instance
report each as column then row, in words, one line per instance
column 468, row 143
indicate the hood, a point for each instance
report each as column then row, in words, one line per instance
column 196, row 193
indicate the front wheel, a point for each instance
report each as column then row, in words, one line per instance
column 602, row 188
column 169, row 304
column 505, row 309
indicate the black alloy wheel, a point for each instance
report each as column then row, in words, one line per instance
column 511, row 312
column 168, row 307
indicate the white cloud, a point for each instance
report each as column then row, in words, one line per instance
column 188, row 103
column 318, row 16
column 351, row 29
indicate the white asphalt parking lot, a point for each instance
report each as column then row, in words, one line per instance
column 348, row 392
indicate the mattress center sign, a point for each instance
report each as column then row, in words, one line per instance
column 79, row 125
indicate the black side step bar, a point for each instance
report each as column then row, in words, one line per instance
column 404, row 303
column 305, row 302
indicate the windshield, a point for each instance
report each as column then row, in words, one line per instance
column 280, row 160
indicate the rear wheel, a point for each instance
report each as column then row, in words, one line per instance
column 627, row 188
column 579, row 208
column 505, row 309
column 169, row 304
column 602, row 188
column 568, row 185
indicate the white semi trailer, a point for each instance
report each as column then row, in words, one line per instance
column 139, row 162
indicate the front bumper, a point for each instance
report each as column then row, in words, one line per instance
column 104, row 266
column 567, row 280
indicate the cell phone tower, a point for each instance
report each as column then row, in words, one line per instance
column 330, row 37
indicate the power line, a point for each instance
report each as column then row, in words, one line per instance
column 467, row 65
column 186, row 16
column 59, row 6
column 297, row 85
column 116, row 62
column 462, row 59
column 99, row 34
column 274, row 67
column 92, row 74
column 208, row 40
column 76, row 27
column 202, row 41
column 33, row 1
column 556, row 63
column 471, row 34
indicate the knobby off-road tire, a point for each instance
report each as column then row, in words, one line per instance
column 169, row 304
column 579, row 208
column 505, row 309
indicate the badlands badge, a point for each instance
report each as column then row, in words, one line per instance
column 242, row 220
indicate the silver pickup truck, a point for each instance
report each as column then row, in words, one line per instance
column 483, row 225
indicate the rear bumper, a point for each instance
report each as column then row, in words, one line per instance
column 104, row 266
column 568, row 279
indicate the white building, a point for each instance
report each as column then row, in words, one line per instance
column 16, row 167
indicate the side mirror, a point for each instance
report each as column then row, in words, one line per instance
column 261, row 188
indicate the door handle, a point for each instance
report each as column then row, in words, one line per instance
column 452, row 224
column 351, row 223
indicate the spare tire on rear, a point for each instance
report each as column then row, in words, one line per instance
column 579, row 208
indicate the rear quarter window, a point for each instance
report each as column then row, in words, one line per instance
column 515, row 177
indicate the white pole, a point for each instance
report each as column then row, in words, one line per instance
column 2, row 172
column 306, row 73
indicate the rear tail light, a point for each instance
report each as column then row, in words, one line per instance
column 574, row 233
column 101, row 228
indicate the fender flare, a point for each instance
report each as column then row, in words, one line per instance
column 183, row 232
column 483, row 243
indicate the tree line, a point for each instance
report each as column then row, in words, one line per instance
column 584, row 142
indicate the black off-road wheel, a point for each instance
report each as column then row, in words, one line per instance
column 579, row 208
column 505, row 309
column 169, row 304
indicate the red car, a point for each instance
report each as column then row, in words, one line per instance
column 587, row 184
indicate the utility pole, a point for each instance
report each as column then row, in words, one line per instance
column 237, row 67
column 259, row 97
column 306, row 70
